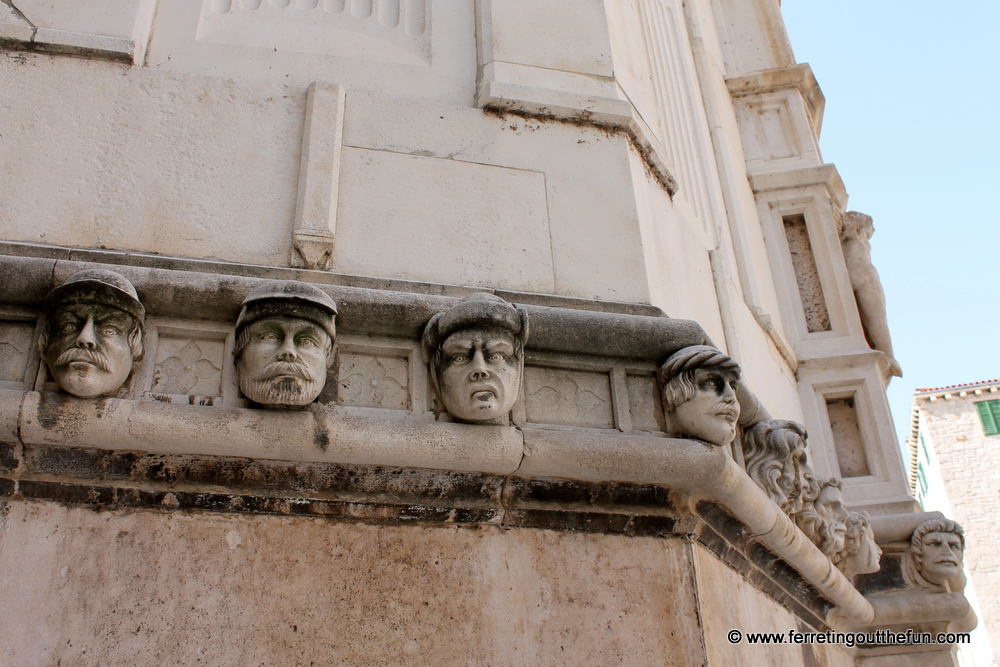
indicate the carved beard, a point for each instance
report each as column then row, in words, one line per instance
column 282, row 383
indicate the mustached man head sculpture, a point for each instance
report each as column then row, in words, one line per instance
column 92, row 334
column 699, row 394
column 284, row 344
column 934, row 559
column 475, row 351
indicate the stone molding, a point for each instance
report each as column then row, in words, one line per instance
column 699, row 472
column 32, row 25
column 798, row 76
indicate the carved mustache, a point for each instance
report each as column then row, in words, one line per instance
column 284, row 368
column 91, row 356
column 728, row 409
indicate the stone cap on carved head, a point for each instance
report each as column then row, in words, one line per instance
column 289, row 298
column 693, row 357
column 475, row 311
column 98, row 286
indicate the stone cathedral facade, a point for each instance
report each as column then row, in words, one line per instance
column 442, row 332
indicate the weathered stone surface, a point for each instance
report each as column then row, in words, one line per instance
column 150, row 588
column 728, row 603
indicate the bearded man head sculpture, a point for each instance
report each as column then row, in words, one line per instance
column 284, row 344
column 475, row 351
column 774, row 452
column 934, row 559
column 699, row 394
column 92, row 333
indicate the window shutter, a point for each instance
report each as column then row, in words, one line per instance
column 989, row 415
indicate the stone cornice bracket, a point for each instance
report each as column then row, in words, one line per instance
column 319, row 177
column 796, row 76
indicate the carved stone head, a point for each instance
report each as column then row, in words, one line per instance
column 92, row 334
column 857, row 226
column 284, row 344
column 832, row 516
column 934, row 558
column 475, row 351
column 861, row 554
column 699, row 394
column 774, row 452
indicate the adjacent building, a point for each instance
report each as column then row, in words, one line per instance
column 954, row 449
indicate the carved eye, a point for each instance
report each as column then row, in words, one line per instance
column 460, row 358
column 269, row 336
column 67, row 328
column 306, row 341
column 110, row 331
column 498, row 356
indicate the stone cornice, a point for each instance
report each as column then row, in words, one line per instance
column 796, row 76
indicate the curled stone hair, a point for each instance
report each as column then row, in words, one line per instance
column 857, row 225
column 767, row 451
column 676, row 375
column 935, row 526
column 857, row 523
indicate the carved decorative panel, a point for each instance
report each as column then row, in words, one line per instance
column 15, row 349
column 645, row 406
column 374, row 381
column 395, row 30
column 570, row 397
column 188, row 366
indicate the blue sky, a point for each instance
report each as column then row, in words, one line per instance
column 911, row 121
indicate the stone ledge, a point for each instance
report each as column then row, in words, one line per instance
column 625, row 469
column 824, row 175
column 32, row 279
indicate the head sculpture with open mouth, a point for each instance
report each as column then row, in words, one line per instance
column 475, row 351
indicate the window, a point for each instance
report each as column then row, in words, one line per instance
column 989, row 415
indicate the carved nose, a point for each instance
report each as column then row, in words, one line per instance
column 87, row 338
column 479, row 370
column 728, row 393
column 288, row 351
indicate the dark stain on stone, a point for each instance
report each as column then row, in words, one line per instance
column 321, row 435
column 541, row 493
column 888, row 578
column 8, row 457
column 50, row 409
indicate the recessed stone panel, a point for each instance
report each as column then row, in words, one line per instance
column 569, row 397
column 374, row 381
column 428, row 219
column 190, row 366
column 645, row 406
column 15, row 346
